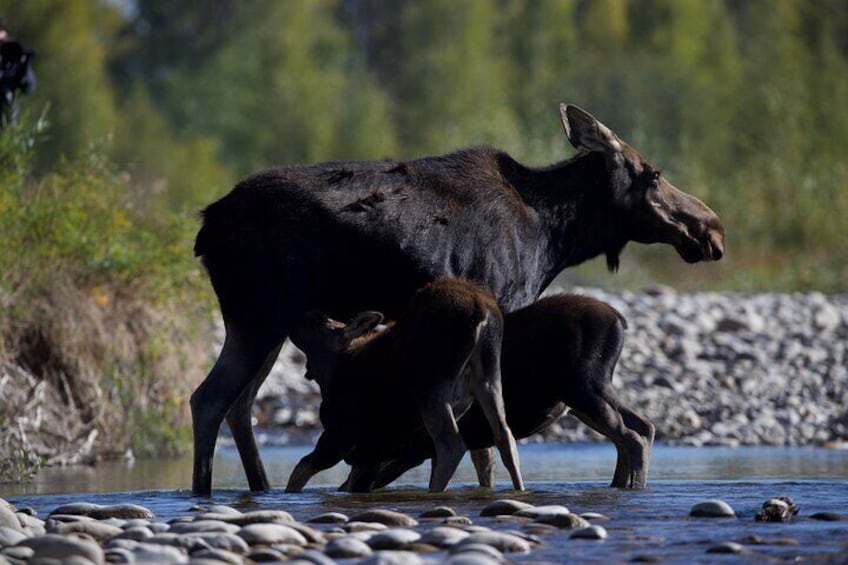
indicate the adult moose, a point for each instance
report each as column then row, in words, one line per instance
column 286, row 240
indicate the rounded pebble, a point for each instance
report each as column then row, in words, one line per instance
column 564, row 521
column 712, row 509
column 10, row 536
column 393, row 538
column 122, row 511
column 269, row 534
column 727, row 547
column 203, row 526
column 392, row 558
column 444, row 536
column 56, row 546
column 546, row 511
column 329, row 518
column 502, row 541
column 347, row 547
column 97, row 530
column 591, row 532
column 504, row 507
column 828, row 516
column 438, row 512
column 387, row 517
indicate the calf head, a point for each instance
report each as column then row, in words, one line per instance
column 647, row 208
column 324, row 340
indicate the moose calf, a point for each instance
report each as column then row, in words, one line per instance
column 557, row 353
column 379, row 387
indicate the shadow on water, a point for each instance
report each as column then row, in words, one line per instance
column 652, row 522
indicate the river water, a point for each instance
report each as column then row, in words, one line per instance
column 652, row 523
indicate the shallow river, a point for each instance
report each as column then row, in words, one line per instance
column 652, row 523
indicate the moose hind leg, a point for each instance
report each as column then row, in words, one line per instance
column 601, row 413
column 640, row 454
column 484, row 464
column 239, row 420
column 488, row 392
column 449, row 447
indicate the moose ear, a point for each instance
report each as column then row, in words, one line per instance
column 361, row 324
column 584, row 131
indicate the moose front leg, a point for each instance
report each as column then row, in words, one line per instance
column 484, row 464
column 327, row 453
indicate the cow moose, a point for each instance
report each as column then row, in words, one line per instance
column 378, row 388
column 558, row 353
column 290, row 239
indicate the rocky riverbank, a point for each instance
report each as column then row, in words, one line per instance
column 481, row 533
column 707, row 368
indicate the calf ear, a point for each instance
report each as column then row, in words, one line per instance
column 584, row 131
column 361, row 324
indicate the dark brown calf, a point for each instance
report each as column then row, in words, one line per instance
column 378, row 387
column 558, row 353
column 345, row 237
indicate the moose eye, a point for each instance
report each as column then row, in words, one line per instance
column 654, row 178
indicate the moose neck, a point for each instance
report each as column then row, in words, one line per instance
column 573, row 200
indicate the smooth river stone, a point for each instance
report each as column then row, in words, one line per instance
column 203, row 526
column 388, row 517
column 219, row 540
column 8, row 518
column 347, row 546
column 329, row 518
column 444, row 536
column 216, row 556
column 563, row 521
column 97, row 530
column 504, row 507
column 727, row 547
column 156, row 553
column 393, row 538
column 438, row 512
column 260, row 517
column 547, row 511
column 122, row 511
column 502, row 541
column 392, row 558
column 269, row 534
column 472, row 558
column 713, row 508
column 477, row 548
column 76, row 508
column 56, row 546
column 590, row 532
column 10, row 536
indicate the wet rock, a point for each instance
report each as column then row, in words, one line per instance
column 564, row 521
column 312, row 535
column 8, row 518
column 329, row 518
column 269, row 534
column 312, row 557
column 471, row 558
column 778, row 509
column 137, row 533
column 392, row 558
column 217, row 540
column 457, row 521
column 472, row 547
column 829, row 516
column 547, row 511
column 10, row 536
column 118, row 555
column 712, row 509
column 203, row 526
column 438, row 512
column 504, row 507
column 590, row 532
column 351, row 527
column 393, row 538
column 97, row 530
column 593, row 516
column 76, row 509
column 18, row 552
column 443, row 536
column 55, row 546
column 266, row 554
column 727, row 547
column 217, row 556
column 347, row 547
column 502, row 541
column 388, row 517
column 260, row 517
column 122, row 511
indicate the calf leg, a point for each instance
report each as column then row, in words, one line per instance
column 390, row 471
column 484, row 464
column 486, row 384
column 327, row 453
column 449, row 447
column 238, row 365
column 239, row 420
column 640, row 458
column 601, row 413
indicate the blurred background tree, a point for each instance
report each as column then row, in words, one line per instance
column 741, row 103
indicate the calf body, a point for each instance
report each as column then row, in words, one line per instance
column 286, row 241
column 377, row 389
column 558, row 353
